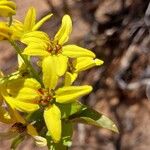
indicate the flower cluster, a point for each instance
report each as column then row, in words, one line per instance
column 43, row 103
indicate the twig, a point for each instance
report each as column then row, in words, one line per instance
column 147, row 16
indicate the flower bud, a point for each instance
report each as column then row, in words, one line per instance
column 40, row 141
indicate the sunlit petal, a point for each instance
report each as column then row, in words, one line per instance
column 74, row 51
column 61, row 64
column 84, row 63
column 5, row 31
column 21, row 106
column 37, row 37
column 52, row 117
column 50, row 76
column 70, row 78
column 7, row 8
column 36, row 50
column 17, row 84
column 27, row 95
column 41, row 22
column 63, row 33
column 69, row 94
column 30, row 19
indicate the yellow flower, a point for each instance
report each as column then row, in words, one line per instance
column 29, row 24
column 7, row 8
column 5, row 31
column 78, row 65
column 26, row 95
column 54, row 53
column 9, row 115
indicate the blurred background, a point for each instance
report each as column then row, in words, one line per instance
column 118, row 31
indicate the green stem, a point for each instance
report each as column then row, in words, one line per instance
column 27, row 63
column 17, row 141
column 10, row 21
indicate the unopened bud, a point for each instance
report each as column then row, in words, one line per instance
column 40, row 141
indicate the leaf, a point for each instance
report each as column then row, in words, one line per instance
column 36, row 117
column 69, row 109
column 92, row 117
column 67, row 131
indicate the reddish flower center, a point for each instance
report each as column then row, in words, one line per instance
column 54, row 48
column 46, row 98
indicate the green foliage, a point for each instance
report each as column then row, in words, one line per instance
column 89, row 116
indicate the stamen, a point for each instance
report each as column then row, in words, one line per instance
column 46, row 97
column 54, row 48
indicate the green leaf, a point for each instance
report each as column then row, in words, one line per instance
column 67, row 131
column 92, row 117
column 36, row 118
column 69, row 109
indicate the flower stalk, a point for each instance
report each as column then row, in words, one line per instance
column 26, row 61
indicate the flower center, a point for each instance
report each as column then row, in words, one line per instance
column 54, row 48
column 46, row 98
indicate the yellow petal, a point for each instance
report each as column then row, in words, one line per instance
column 21, row 64
column 8, row 3
column 17, row 84
column 63, row 33
column 84, row 63
column 3, row 36
column 74, row 51
column 5, row 31
column 21, row 106
column 41, row 22
column 7, row 8
column 6, row 11
column 1, row 74
column 25, row 90
column 31, row 83
column 69, row 94
column 26, row 95
column 61, row 64
column 17, row 29
column 30, row 19
column 36, row 50
column 37, row 37
column 70, row 78
column 52, row 117
column 50, row 76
